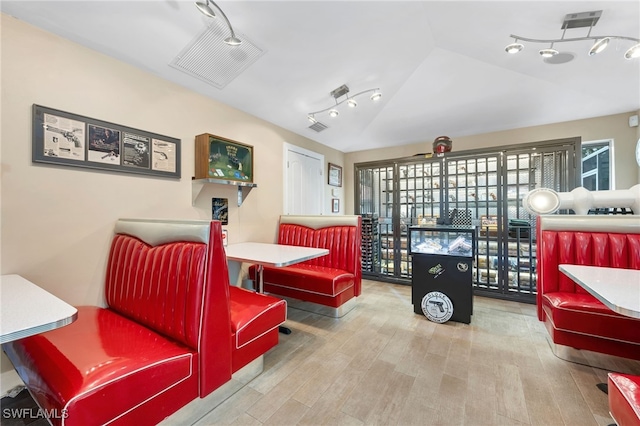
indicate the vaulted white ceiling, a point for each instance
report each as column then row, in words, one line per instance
column 440, row 65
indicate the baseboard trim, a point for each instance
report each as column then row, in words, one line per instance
column 594, row 359
column 197, row 409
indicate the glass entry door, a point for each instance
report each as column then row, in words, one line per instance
column 483, row 188
column 391, row 198
column 374, row 198
column 487, row 191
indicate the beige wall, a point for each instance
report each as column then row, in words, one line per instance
column 56, row 222
column 614, row 127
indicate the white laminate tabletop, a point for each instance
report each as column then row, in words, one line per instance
column 267, row 254
column 28, row 309
column 617, row 288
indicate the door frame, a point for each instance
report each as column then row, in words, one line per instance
column 612, row 165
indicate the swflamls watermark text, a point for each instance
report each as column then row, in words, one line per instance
column 33, row 413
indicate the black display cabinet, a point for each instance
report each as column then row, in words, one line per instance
column 442, row 264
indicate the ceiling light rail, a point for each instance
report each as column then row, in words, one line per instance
column 599, row 45
column 350, row 100
column 577, row 20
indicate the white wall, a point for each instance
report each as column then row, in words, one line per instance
column 56, row 223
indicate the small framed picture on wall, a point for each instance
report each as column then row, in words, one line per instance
column 220, row 210
column 335, row 205
column 335, row 175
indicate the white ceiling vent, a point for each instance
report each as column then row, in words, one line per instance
column 318, row 127
column 210, row 59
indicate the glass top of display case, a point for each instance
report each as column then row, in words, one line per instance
column 442, row 239
column 445, row 228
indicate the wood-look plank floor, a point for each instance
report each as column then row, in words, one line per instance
column 381, row 364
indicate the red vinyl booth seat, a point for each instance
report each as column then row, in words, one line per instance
column 167, row 336
column 572, row 316
column 329, row 280
column 624, row 399
column 254, row 324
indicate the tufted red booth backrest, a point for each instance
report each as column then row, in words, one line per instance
column 160, row 287
column 342, row 241
column 172, row 277
column 583, row 247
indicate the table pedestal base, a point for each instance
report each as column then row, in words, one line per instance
column 260, row 289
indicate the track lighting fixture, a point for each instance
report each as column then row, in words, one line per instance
column 577, row 20
column 351, row 102
column 207, row 10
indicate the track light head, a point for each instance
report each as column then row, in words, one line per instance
column 376, row 96
column 599, row 46
column 633, row 52
column 548, row 53
column 514, row 48
column 203, row 6
column 312, row 119
column 334, row 112
column 233, row 41
column 352, row 103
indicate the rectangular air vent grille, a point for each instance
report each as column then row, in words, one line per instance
column 318, row 126
column 208, row 58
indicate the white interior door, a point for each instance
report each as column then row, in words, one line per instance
column 303, row 181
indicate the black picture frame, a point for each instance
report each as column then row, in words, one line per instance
column 67, row 139
column 335, row 175
column 220, row 210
